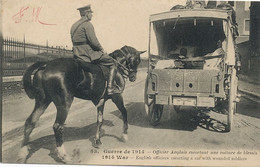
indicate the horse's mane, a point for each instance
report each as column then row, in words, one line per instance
column 128, row 49
column 125, row 49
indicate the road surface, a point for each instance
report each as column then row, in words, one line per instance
column 177, row 133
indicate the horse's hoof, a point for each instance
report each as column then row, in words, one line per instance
column 22, row 155
column 124, row 137
column 62, row 155
column 96, row 143
column 64, row 159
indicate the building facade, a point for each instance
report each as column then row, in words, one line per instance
column 254, row 38
column 242, row 9
column 248, row 20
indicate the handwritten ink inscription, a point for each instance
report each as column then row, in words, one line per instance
column 30, row 15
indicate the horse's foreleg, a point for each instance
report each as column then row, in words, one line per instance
column 39, row 108
column 58, row 127
column 118, row 100
column 100, row 110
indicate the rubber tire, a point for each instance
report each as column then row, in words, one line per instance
column 232, row 99
column 153, row 111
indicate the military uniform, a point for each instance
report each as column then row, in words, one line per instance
column 85, row 42
column 86, row 45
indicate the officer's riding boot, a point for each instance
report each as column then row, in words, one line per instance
column 111, row 80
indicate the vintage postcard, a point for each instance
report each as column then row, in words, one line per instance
column 130, row 82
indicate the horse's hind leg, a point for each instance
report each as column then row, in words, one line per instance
column 118, row 100
column 100, row 109
column 39, row 108
column 62, row 104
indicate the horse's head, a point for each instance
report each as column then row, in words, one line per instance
column 129, row 59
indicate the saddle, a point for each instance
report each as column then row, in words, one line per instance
column 88, row 68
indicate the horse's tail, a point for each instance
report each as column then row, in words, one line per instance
column 30, row 90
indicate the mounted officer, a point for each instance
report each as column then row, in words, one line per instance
column 87, row 47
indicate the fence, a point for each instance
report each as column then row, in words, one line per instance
column 19, row 55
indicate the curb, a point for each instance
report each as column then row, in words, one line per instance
column 252, row 94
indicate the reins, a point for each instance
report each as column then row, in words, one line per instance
column 123, row 68
column 125, row 74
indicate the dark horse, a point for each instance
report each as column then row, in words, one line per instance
column 60, row 80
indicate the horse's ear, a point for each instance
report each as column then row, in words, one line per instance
column 140, row 52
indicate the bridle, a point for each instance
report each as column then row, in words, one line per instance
column 125, row 70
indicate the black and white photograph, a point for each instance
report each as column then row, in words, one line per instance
column 130, row 82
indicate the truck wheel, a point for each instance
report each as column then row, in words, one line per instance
column 232, row 99
column 153, row 111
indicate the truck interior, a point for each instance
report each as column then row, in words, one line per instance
column 185, row 39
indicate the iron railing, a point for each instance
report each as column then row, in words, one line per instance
column 18, row 55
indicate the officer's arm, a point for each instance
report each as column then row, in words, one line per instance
column 91, row 35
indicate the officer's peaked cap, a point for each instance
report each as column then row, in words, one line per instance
column 85, row 9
